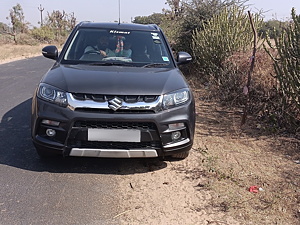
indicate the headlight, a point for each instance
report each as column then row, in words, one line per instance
column 52, row 94
column 175, row 98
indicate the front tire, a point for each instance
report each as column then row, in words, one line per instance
column 43, row 154
column 181, row 155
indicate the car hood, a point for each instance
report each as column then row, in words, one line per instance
column 114, row 80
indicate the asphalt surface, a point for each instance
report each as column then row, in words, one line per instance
column 57, row 191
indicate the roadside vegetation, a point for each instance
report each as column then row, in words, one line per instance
column 54, row 28
column 220, row 37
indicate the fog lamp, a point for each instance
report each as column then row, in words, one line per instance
column 50, row 132
column 50, row 122
column 176, row 135
column 176, row 126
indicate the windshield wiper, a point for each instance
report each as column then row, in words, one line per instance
column 155, row 65
column 110, row 64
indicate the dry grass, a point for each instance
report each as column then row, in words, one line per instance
column 235, row 158
column 9, row 52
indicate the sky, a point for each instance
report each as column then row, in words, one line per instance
column 275, row 9
column 108, row 10
column 86, row 10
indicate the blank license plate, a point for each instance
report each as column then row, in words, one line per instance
column 124, row 135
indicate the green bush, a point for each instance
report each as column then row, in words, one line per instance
column 222, row 36
column 286, row 61
column 6, row 39
column 26, row 39
column 272, row 27
column 43, row 34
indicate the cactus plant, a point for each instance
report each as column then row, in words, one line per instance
column 223, row 35
column 286, row 61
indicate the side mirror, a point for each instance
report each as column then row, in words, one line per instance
column 183, row 58
column 50, row 52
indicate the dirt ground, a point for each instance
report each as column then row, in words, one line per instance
column 211, row 186
column 11, row 52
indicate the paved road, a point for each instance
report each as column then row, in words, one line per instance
column 61, row 191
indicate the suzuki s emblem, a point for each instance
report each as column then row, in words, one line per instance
column 115, row 103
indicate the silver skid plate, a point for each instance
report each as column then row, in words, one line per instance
column 113, row 153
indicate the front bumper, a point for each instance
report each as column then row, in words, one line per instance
column 72, row 134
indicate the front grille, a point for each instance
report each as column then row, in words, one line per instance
column 115, row 145
column 115, row 125
column 79, row 135
column 125, row 98
column 110, row 111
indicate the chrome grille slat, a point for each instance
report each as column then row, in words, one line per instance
column 109, row 111
column 125, row 98
column 104, row 103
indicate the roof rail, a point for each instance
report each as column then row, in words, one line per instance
column 154, row 25
column 81, row 22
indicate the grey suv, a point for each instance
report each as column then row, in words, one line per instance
column 115, row 90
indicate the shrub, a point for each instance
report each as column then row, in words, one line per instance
column 43, row 34
column 224, row 35
column 26, row 39
column 286, row 61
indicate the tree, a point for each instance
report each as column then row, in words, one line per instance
column 17, row 19
column 272, row 28
column 155, row 18
column 186, row 16
column 16, row 16
column 176, row 8
column 60, row 23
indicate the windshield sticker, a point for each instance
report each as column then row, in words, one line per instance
column 166, row 59
column 155, row 36
column 119, row 32
column 157, row 41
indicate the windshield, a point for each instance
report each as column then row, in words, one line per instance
column 117, row 47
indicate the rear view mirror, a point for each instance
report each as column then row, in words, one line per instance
column 183, row 58
column 50, row 52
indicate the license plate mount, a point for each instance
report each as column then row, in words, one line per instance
column 114, row 135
